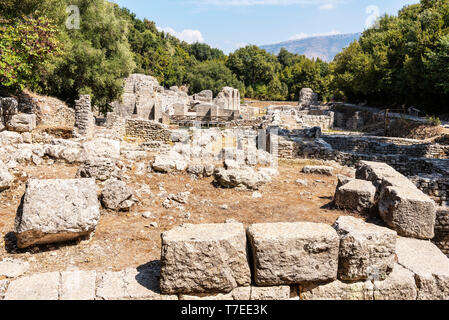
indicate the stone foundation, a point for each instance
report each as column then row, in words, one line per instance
column 147, row 130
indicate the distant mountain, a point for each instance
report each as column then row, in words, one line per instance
column 323, row 47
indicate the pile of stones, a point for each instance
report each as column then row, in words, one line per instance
column 401, row 205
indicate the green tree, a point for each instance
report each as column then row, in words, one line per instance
column 25, row 46
column 213, row 75
column 97, row 56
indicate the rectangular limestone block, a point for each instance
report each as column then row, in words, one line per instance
column 270, row 293
column 209, row 258
column 399, row 285
column 239, row 294
column 356, row 195
column 43, row 286
column 366, row 251
column 22, row 123
column 130, row 284
column 408, row 211
column 337, row 290
column 57, row 211
column 429, row 265
column 78, row 285
column 374, row 172
column 293, row 253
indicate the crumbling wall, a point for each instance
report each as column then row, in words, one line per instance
column 84, row 118
column 147, row 130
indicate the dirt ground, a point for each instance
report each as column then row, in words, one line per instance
column 127, row 239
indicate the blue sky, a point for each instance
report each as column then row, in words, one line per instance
column 230, row 24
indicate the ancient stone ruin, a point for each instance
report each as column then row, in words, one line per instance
column 178, row 197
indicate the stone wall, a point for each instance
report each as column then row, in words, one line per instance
column 324, row 121
column 429, row 174
column 442, row 230
column 387, row 146
column 300, row 261
column 84, row 118
column 147, row 130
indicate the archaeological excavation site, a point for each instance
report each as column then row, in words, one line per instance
column 224, row 159
column 178, row 197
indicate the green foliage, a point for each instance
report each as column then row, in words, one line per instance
column 403, row 61
column 433, row 121
column 97, row 56
column 212, row 75
column 25, row 45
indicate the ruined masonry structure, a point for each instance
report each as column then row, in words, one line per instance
column 84, row 118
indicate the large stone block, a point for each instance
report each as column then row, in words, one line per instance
column 400, row 285
column 78, row 285
column 10, row 138
column 42, row 286
column 381, row 175
column 101, row 148
column 6, row 179
column 430, row 266
column 22, row 123
column 210, row 258
column 293, row 253
column 56, row 211
column 408, row 211
column 270, row 293
column 116, row 195
column 367, row 251
column 100, row 169
column 356, row 195
column 322, row 170
column 337, row 290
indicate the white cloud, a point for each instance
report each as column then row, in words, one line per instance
column 323, row 4
column 303, row 35
column 187, row 35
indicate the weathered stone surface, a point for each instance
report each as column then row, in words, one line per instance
column 101, row 169
column 241, row 293
column 400, row 285
column 366, row 251
column 6, row 179
column 293, row 253
column 323, row 170
column 307, row 97
column 210, row 258
column 10, row 268
column 270, row 293
column 111, row 286
column 9, row 106
column 22, row 123
column 3, row 286
column 131, row 284
column 337, row 290
column 78, row 285
column 430, row 266
column 101, row 148
column 143, row 284
column 116, row 195
column 56, row 211
column 381, row 175
column 169, row 162
column 342, row 180
column 43, row 286
column 408, row 211
column 356, row 195
column 10, row 138
column 244, row 177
